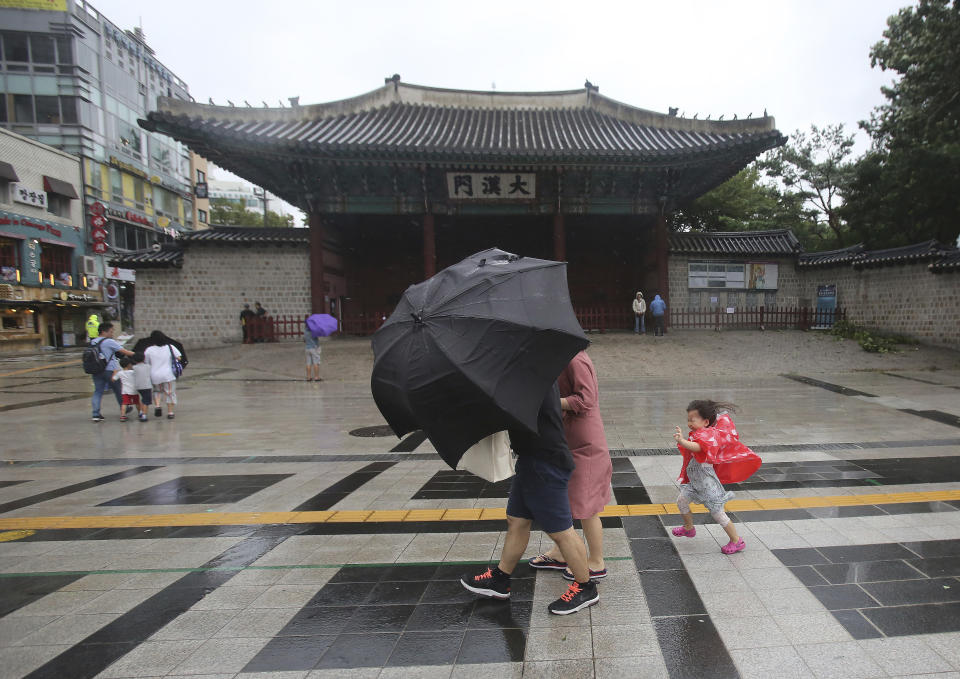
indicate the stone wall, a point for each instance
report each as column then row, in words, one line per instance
column 902, row 298
column 200, row 304
column 789, row 290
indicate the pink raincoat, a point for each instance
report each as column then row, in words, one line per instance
column 720, row 446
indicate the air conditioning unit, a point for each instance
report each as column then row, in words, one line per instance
column 89, row 266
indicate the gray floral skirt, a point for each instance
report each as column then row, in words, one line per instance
column 704, row 487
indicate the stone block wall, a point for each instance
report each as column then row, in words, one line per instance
column 904, row 298
column 200, row 304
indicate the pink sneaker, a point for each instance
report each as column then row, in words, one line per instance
column 734, row 547
column 682, row 532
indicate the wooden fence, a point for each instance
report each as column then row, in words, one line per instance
column 591, row 319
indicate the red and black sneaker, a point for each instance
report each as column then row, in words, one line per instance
column 491, row 583
column 577, row 597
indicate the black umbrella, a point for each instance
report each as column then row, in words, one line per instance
column 144, row 342
column 474, row 349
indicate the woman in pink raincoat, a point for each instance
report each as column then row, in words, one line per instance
column 589, row 487
column 712, row 456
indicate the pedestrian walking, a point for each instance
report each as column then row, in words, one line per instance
column 107, row 349
column 539, row 491
column 712, row 455
column 312, row 345
column 589, row 488
column 658, row 308
column 93, row 327
column 639, row 310
column 128, row 390
column 160, row 357
column 143, row 384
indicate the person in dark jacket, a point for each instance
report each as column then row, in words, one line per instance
column 245, row 317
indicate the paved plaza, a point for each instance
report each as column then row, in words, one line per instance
column 274, row 529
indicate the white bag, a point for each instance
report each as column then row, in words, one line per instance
column 489, row 458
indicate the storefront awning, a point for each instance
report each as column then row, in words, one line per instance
column 59, row 187
column 7, row 172
column 26, row 303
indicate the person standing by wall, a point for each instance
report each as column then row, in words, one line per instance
column 659, row 310
column 639, row 309
column 108, row 348
column 245, row 317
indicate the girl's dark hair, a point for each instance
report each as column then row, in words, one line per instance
column 158, row 338
column 709, row 410
column 138, row 357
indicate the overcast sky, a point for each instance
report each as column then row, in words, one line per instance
column 805, row 61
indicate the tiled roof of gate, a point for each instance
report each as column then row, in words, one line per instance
column 779, row 242
column 943, row 258
column 432, row 122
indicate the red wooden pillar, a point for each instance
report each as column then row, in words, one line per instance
column 559, row 238
column 318, row 303
column 429, row 247
column 663, row 280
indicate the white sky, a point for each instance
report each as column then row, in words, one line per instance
column 805, row 61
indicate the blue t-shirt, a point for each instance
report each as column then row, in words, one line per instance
column 108, row 349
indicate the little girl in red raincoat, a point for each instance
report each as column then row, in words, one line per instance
column 712, row 456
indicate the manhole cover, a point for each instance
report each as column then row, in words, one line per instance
column 382, row 430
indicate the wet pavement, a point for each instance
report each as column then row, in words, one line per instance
column 254, row 536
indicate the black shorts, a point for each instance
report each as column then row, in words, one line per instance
column 539, row 492
column 146, row 396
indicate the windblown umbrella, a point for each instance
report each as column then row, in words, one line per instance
column 321, row 325
column 474, row 349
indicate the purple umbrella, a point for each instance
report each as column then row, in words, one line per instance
column 322, row 325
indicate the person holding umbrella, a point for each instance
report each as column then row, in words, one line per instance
column 316, row 326
column 539, row 492
column 477, row 349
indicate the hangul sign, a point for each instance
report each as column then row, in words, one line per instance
column 28, row 196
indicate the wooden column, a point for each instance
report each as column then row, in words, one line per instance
column 663, row 280
column 318, row 303
column 559, row 238
column 429, row 247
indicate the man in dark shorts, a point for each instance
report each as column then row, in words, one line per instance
column 539, row 492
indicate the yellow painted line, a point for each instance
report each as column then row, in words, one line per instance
column 29, row 523
column 11, row 535
column 40, row 367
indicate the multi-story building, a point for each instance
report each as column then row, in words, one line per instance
column 44, row 294
column 71, row 79
column 243, row 194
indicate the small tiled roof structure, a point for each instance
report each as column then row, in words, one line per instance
column 949, row 262
column 831, row 257
column 170, row 255
column 941, row 258
column 779, row 242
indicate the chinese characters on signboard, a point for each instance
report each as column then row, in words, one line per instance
column 22, row 194
column 492, row 185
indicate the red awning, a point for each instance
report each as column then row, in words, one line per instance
column 59, row 187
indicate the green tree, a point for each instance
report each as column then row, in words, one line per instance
column 904, row 189
column 227, row 212
column 816, row 169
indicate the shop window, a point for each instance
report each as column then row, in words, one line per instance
column 138, row 191
column 116, row 185
column 15, row 47
column 58, row 205
column 42, row 50
column 9, row 254
column 68, row 110
column 48, row 110
column 202, row 216
column 201, row 176
column 23, row 108
column 64, row 50
column 55, row 262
